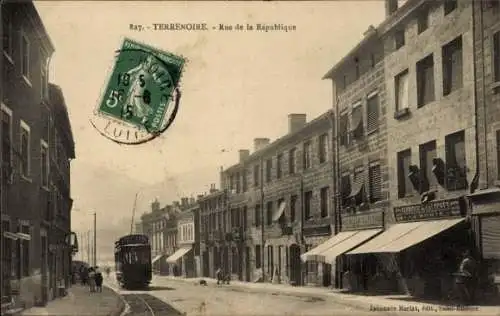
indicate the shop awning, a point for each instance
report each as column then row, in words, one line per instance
column 361, row 236
column 277, row 214
column 158, row 257
column 402, row 236
column 178, row 254
column 315, row 253
column 10, row 235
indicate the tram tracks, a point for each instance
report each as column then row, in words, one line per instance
column 148, row 305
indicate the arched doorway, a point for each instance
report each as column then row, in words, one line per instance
column 295, row 265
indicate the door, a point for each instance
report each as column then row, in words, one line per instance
column 206, row 264
column 295, row 265
column 44, row 271
column 247, row 264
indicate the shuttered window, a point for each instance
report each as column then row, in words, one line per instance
column 372, row 113
column 375, row 180
column 357, row 122
column 427, row 155
column 491, row 237
column 343, row 130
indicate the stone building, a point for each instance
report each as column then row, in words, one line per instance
column 37, row 146
column 486, row 199
column 362, row 159
column 213, row 210
column 286, row 190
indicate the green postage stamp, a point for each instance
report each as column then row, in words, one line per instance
column 141, row 85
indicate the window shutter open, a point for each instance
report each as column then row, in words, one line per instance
column 375, row 176
column 372, row 113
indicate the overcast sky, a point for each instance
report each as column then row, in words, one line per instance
column 236, row 86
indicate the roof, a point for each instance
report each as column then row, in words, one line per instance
column 32, row 13
column 60, row 110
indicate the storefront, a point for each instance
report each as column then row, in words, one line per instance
column 486, row 225
column 418, row 254
column 178, row 261
column 356, row 229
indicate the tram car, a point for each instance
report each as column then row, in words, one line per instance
column 133, row 261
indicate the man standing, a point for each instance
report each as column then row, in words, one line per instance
column 467, row 271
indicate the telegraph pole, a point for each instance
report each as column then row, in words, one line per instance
column 88, row 246
column 95, row 240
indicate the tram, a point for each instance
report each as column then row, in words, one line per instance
column 133, row 261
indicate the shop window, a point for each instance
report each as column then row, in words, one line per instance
column 404, row 183
column 449, row 6
column 307, row 205
column 425, row 81
column 452, row 66
column 293, row 208
column 357, row 122
column 269, row 169
column 291, row 161
column 427, row 155
column 375, row 183
column 344, row 130
column 455, row 161
column 324, row 196
column 401, row 85
column 372, row 113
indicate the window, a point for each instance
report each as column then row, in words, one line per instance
column 25, row 56
column 258, row 257
column 423, row 21
column 323, row 148
column 399, row 39
column 238, row 183
column 293, row 208
column 291, row 161
column 375, row 183
column 44, row 164
column 244, row 217
column 344, row 129
column 404, row 184
column 25, row 150
column 307, row 205
column 356, row 67
column 7, row 33
column 345, row 187
column 357, row 121
column 7, row 137
column 372, row 113
column 496, row 56
column 449, row 6
column 280, row 205
column 269, row 168
column 455, row 161
column 307, row 155
column 256, row 175
column 43, row 79
column 373, row 60
column 324, row 202
column 401, row 83
column 279, row 166
column 269, row 213
column 257, row 215
column 427, row 154
column 425, row 81
column 452, row 66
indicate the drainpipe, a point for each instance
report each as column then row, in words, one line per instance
column 262, row 216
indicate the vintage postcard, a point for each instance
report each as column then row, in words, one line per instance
column 250, row 157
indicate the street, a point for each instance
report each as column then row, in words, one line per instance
column 194, row 299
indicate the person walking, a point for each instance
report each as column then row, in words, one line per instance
column 219, row 275
column 466, row 277
column 91, row 279
column 98, row 279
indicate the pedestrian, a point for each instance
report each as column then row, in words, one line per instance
column 219, row 275
column 466, row 277
column 98, row 279
column 91, row 279
column 108, row 271
column 84, row 275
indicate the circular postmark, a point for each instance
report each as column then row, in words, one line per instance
column 135, row 106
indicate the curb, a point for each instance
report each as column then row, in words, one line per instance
column 125, row 307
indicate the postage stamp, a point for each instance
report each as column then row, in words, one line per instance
column 143, row 82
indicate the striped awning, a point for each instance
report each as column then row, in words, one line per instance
column 178, row 254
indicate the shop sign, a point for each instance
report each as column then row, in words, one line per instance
column 363, row 221
column 430, row 210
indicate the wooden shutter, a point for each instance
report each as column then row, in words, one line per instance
column 375, row 183
column 490, row 236
column 372, row 109
column 343, row 129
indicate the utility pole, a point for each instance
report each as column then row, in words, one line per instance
column 2, row 190
column 262, row 217
column 95, row 240
column 88, row 247
column 133, row 214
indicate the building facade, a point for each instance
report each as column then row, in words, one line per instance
column 285, row 189
column 37, row 146
column 486, row 197
column 361, row 148
column 187, row 255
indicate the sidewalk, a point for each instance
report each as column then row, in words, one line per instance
column 391, row 304
column 80, row 301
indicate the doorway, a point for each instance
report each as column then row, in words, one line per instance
column 295, row 265
column 247, row 264
column 206, row 264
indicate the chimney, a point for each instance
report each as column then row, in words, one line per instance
column 391, row 6
column 259, row 143
column 200, row 196
column 212, row 188
column 184, row 201
column 296, row 122
column 155, row 206
column 176, row 204
column 244, row 153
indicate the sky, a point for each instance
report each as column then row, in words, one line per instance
column 236, row 86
